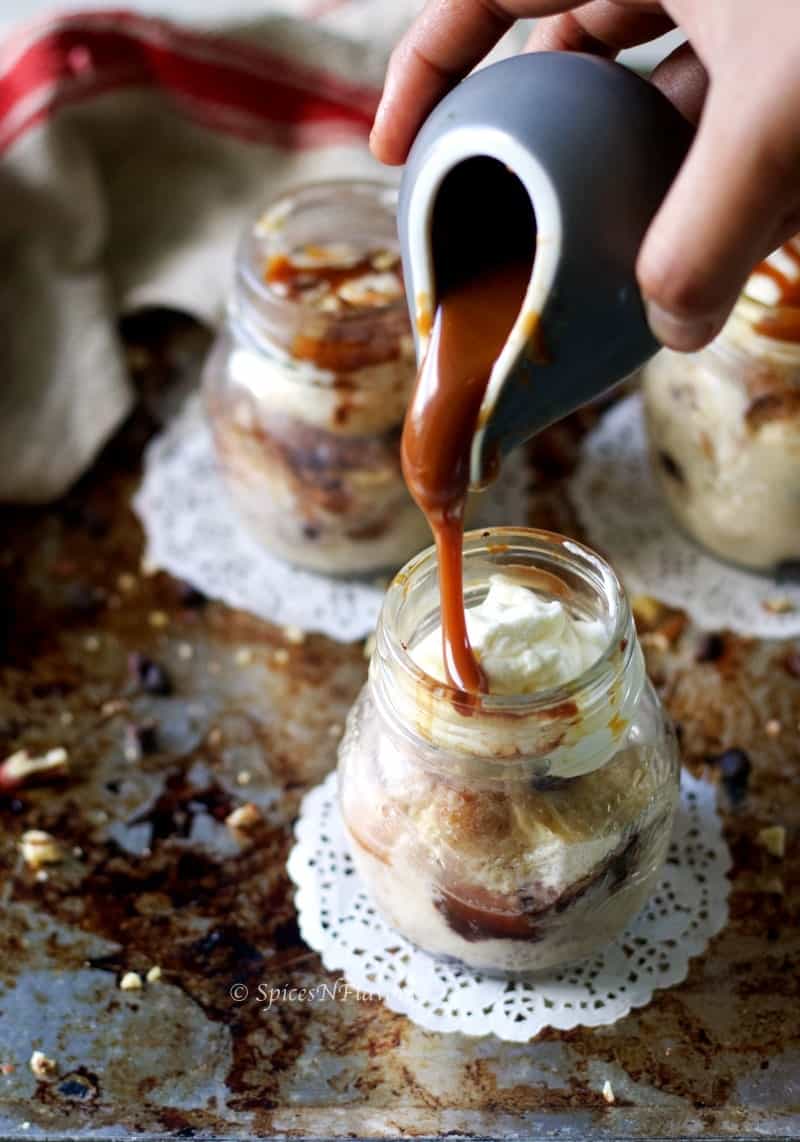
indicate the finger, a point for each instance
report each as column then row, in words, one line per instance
column 601, row 27
column 442, row 45
column 684, row 81
column 737, row 184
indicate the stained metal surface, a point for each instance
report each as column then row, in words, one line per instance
column 152, row 875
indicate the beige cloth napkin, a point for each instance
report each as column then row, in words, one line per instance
column 131, row 153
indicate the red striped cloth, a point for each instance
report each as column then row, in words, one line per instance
column 230, row 84
column 131, row 151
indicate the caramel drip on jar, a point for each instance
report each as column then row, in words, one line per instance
column 470, row 327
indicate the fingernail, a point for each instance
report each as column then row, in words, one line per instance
column 682, row 333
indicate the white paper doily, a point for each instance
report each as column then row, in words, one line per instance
column 338, row 920
column 619, row 502
column 192, row 532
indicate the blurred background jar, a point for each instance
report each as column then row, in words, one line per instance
column 724, row 424
column 518, row 831
column 307, row 385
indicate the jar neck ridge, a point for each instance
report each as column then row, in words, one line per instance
column 562, row 732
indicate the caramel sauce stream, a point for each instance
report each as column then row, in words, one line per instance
column 470, row 327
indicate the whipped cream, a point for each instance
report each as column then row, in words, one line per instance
column 524, row 643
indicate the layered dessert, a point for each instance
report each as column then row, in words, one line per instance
column 307, row 389
column 519, row 837
column 724, row 424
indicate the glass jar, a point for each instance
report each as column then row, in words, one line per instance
column 724, row 433
column 525, row 831
column 307, row 386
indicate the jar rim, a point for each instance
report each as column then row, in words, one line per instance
column 618, row 651
column 253, row 282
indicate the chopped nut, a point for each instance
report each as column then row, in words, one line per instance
column 41, row 1066
column 281, row 656
column 779, row 606
column 773, row 728
column 243, row 816
column 214, row 736
column 185, row 651
column 332, row 255
column 647, row 611
column 91, row 643
column 371, row 289
column 131, row 981
column 385, row 260
column 294, row 635
column 654, row 640
column 330, row 303
column 608, row 1092
column 66, row 717
column 772, row 886
column 244, row 777
column 154, row 974
column 40, row 848
column 126, row 582
column 22, row 769
column 334, row 730
column 773, row 839
column 243, row 656
column 158, row 619
column 673, row 626
column 113, row 707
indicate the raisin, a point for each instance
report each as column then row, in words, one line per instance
column 149, row 675
column 671, row 467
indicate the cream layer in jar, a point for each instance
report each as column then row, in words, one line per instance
column 516, row 838
column 724, row 425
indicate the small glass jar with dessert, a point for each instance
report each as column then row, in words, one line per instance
column 724, row 424
column 522, row 826
column 307, row 386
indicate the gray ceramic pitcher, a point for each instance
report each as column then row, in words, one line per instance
column 574, row 153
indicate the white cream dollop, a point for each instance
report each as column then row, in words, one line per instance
column 525, row 643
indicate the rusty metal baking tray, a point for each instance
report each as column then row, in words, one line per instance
column 175, row 710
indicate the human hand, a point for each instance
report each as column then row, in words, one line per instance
column 737, row 196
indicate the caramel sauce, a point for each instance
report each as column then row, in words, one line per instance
column 470, row 327
column 298, row 281
column 784, row 323
column 319, row 288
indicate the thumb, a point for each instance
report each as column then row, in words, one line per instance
column 721, row 216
